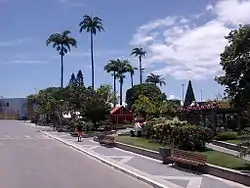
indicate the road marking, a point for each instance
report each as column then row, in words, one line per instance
column 94, row 147
column 28, row 137
column 134, row 154
column 194, row 182
column 123, row 160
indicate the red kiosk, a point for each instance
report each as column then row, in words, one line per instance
column 121, row 115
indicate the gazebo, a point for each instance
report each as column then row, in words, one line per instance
column 121, row 115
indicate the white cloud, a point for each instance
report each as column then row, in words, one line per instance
column 27, row 62
column 14, row 42
column 72, row 2
column 185, row 50
column 96, row 53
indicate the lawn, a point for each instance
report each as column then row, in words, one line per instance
column 233, row 141
column 213, row 157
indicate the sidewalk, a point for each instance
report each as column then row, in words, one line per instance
column 142, row 167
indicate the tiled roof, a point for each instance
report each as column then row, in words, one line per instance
column 115, row 109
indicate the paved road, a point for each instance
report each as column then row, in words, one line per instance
column 28, row 159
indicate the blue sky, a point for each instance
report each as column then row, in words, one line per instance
column 183, row 40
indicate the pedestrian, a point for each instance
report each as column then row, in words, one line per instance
column 79, row 132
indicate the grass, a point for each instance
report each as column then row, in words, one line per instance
column 233, row 141
column 139, row 142
column 213, row 157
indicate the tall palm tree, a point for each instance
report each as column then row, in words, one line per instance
column 91, row 25
column 140, row 53
column 155, row 79
column 132, row 73
column 111, row 67
column 123, row 67
column 62, row 42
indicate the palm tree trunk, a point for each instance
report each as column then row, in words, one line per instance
column 140, row 69
column 121, row 83
column 61, row 71
column 114, row 83
column 132, row 80
column 92, row 60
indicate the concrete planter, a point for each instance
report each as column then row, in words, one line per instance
column 165, row 154
column 138, row 150
column 225, row 173
column 98, row 133
column 229, row 146
column 95, row 138
column 229, row 174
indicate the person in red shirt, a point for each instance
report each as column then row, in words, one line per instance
column 78, row 129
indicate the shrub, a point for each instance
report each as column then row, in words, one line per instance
column 229, row 135
column 245, row 131
column 159, row 128
column 190, row 137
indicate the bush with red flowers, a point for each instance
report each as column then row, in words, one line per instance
column 212, row 106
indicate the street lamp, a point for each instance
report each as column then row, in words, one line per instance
column 182, row 92
column 61, row 105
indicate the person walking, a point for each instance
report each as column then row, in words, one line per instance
column 79, row 132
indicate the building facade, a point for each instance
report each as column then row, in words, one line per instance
column 13, row 108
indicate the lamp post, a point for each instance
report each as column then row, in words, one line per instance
column 60, row 113
column 201, row 94
column 182, row 92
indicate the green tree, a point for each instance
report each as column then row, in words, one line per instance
column 140, row 53
column 91, row 25
column 95, row 109
column 189, row 97
column 235, row 62
column 74, row 95
column 63, row 43
column 155, row 79
column 149, row 108
column 107, row 93
column 72, row 81
column 112, row 68
column 149, row 90
column 144, row 106
column 79, row 78
column 50, row 103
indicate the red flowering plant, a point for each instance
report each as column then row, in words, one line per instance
column 209, row 106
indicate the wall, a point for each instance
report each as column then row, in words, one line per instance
column 16, row 106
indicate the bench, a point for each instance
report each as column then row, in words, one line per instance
column 189, row 158
column 106, row 140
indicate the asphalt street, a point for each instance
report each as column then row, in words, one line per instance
column 28, row 159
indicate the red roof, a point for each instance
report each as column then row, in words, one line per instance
column 115, row 109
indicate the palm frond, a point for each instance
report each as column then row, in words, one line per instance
column 91, row 24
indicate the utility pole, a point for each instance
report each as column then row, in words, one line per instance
column 201, row 94
column 182, row 92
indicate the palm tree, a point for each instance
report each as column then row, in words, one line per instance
column 132, row 72
column 111, row 67
column 140, row 53
column 91, row 25
column 155, row 79
column 62, row 42
column 123, row 66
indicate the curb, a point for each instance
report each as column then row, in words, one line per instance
column 122, row 169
